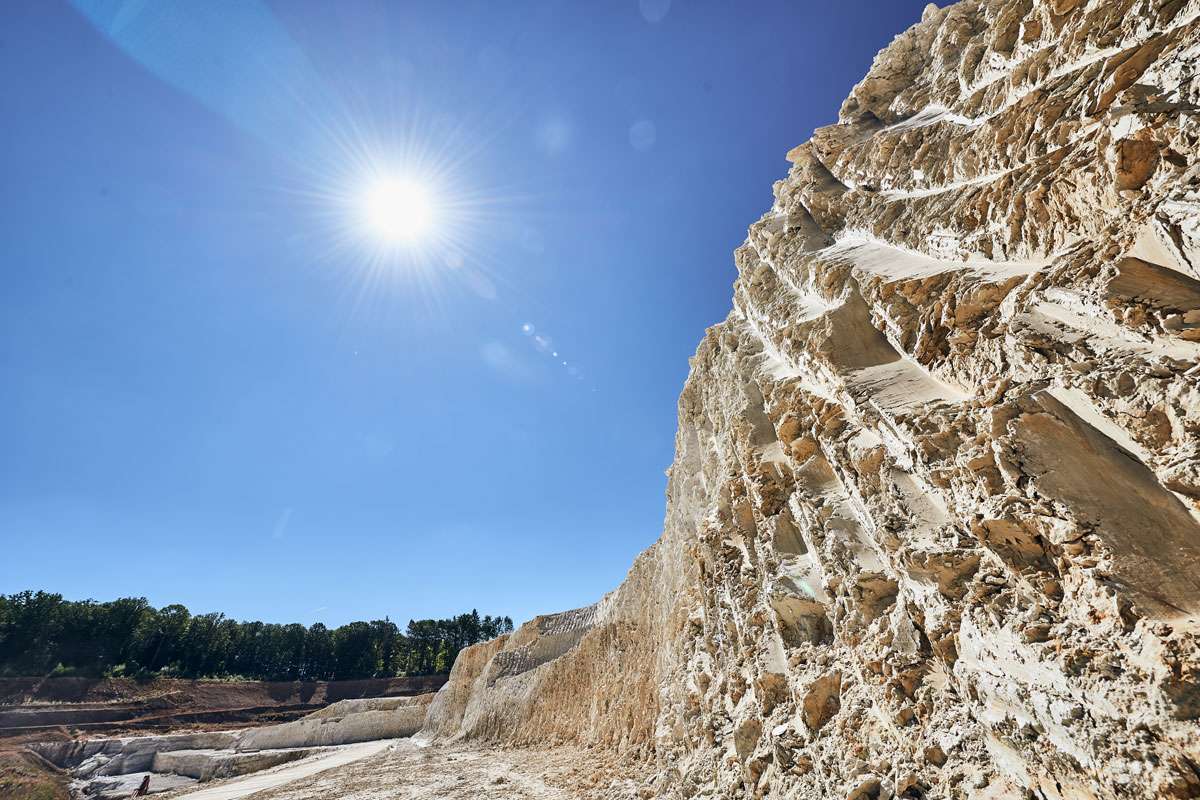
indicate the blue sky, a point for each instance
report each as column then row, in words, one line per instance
column 217, row 389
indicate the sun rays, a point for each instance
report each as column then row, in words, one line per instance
column 403, row 211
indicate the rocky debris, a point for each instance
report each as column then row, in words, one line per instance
column 86, row 758
column 103, row 767
column 933, row 524
column 122, row 787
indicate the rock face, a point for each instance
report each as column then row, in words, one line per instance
column 114, row 767
column 933, row 525
column 344, row 722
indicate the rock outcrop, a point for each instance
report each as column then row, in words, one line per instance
column 933, row 525
column 114, row 767
column 344, row 722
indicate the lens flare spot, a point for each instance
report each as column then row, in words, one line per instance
column 398, row 210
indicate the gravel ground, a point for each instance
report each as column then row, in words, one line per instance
column 410, row 769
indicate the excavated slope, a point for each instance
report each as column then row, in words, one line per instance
column 933, row 525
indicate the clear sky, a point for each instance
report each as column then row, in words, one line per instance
column 220, row 386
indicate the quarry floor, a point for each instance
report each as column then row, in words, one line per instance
column 408, row 769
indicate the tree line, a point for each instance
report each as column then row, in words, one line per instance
column 43, row 634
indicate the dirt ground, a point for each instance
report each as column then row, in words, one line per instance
column 24, row 777
column 206, row 693
column 411, row 770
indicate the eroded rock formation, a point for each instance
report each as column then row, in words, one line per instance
column 933, row 525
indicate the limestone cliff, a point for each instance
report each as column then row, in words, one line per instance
column 933, row 525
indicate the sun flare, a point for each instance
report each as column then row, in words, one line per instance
column 398, row 210
column 403, row 212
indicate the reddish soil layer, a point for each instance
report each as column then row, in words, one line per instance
column 33, row 708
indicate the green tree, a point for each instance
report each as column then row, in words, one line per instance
column 40, row 632
column 206, row 645
column 116, row 627
column 31, row 631
column 355, row 655
column 319, row 656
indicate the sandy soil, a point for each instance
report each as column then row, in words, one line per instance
column 410, row 769
column 259, row 782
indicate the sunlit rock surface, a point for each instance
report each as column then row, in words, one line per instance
column 113, row 767
column 933, row 525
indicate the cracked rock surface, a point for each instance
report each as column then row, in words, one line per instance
column 933, row 524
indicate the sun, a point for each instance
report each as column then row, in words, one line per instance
column 398, row 210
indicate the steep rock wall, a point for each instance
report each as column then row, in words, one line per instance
column 933, row 525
